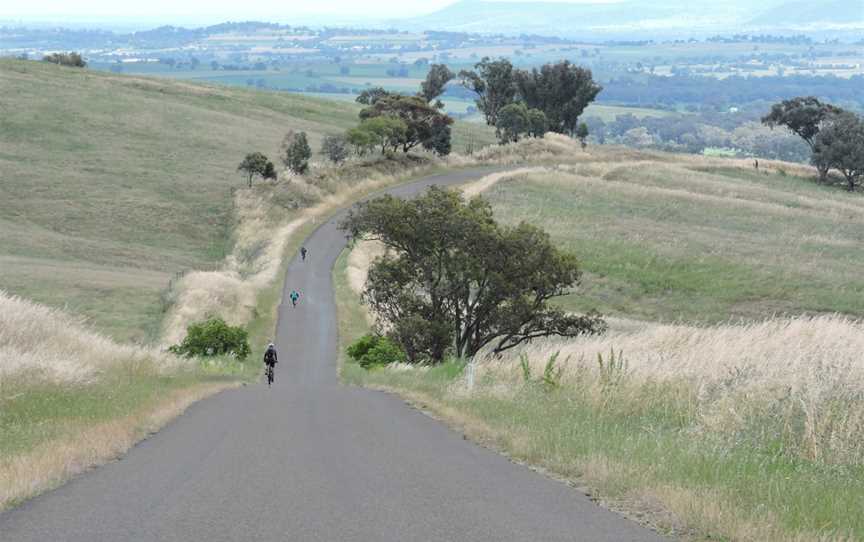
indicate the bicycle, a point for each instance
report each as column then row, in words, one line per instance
column 270, row 374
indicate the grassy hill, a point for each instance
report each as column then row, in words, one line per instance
column 678, row 238
column 111, row 183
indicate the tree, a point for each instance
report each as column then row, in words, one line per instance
column 361, row 139
column 454, row 280
column 371, row 95
column 74, row 60
column 513, row 122
column 440, row 137
column 582, row 134
column 335, row 147
column 437, row 78
column 256, row 164
column 492, row 81
column 840, row 145
column 384, row 132
column 803, row 116
column 421, row 120
column 537, row 122
column 561, row 90
column 297, row 152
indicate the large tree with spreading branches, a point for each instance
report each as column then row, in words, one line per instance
column 455, row 281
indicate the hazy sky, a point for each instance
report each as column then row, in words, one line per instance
column 273, row 10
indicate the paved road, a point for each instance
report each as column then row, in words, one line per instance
column 310, row 459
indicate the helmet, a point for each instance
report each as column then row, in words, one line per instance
column 271, row 345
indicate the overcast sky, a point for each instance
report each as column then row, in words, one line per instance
column 273, row 10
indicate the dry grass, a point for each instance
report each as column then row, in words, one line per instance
column 805, row 375
column 50, row 346
column 71, row 398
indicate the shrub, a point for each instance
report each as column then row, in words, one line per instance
column 375, row 351
column 297, row 152
column 66, row 59
column 213, row 337
column 335, row 147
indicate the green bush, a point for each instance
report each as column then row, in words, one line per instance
column 375, row 351
column 213, row 337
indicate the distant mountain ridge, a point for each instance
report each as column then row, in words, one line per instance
column 801, row 13
column 627, row 17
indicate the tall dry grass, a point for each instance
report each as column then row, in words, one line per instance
column 797, row 380
column 48, row 345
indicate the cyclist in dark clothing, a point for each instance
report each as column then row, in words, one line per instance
column 270, row 360
column 303, row 253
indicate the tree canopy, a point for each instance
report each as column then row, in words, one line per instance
column 513, row 122
column 561, row 91
column 437, row 78
column 74, row 60
column 840, row 145
column 493, row 82
column 257, row 165
column 384, row 132
column 335, row 148
column 803, row 116
column 297, row 152
column 423, row 122
column 455, row 281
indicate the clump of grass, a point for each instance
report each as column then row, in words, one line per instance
column 793, row 382
column 50, row 346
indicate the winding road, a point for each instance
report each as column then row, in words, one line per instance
column 311, row 459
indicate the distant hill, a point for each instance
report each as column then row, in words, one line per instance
column 800, row 13
column 629, row 17
column 536, row 17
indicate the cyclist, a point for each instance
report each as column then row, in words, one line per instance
column 270, row 360
column 294, row 295
column 303, row 253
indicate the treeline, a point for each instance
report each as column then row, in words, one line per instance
column 710, row 93
column 740, row 133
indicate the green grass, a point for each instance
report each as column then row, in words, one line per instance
column 33, row 414
column 670, row 242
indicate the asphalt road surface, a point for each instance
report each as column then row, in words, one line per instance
column 310, row 459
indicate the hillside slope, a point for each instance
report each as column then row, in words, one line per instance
column 693, row 239
column 110, row 184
